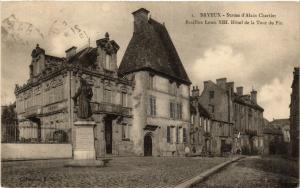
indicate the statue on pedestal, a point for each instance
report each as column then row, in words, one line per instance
column 84, row 95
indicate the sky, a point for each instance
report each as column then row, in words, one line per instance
column 259, row 57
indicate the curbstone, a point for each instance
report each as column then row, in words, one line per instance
column 199, row 178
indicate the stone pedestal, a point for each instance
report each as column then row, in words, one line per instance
column 84, row 151
column 84, row 140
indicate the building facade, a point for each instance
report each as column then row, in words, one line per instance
column 208, row 136
column 248, row 121
column 140, row 108
column 45, row 108
column 277, row 136
column 294, row 115
column 161, row 89
column 236, row 109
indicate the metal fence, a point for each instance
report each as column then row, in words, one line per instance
column 34, row 134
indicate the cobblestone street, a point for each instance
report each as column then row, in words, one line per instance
column 121, row 172
column 255, row 172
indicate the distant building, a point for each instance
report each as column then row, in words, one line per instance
column 284, row 126
column 294, row 115
column 236, row 109
column 207, row 135
column 248, row 121
column 160, row 97
column 277, row 136
column 216, row 98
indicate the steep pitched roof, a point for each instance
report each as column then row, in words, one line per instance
column 194, row 103
column 153, row 50
column 245, row 100
column 85, row 57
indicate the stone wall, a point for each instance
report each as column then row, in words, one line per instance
column 35, row 151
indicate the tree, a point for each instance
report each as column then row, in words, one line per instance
column 9, row 123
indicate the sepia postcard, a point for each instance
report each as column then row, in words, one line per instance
column 150, row 94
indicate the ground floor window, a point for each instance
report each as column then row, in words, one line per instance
column 125, row 132
column 184, row 135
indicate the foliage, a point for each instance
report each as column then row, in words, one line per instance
column 9, row 115
column 9, row 124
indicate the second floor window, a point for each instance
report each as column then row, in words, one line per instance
column 168, row 134
column 152, row 106
column 211, row 95
column 175, row 110
column 124, row 99
column 151, row 82
column 172, row 110
column 107, row 95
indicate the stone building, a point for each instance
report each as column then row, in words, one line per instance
column 216, row 98
column 45, row 108
column 294, row 115
column 160, row 98
column 284, row 126
column 208, row 136
column 236, row 109
column 141, row 108
column 277, row 136
column 248, row 121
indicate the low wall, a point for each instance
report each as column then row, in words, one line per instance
column 35, row 151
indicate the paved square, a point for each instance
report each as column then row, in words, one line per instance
column 121, row 172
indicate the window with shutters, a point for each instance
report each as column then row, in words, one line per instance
column 177, row 135
column 168, row 134
column 172, row 110
column 179, row 110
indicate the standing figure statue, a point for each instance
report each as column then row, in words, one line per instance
column 85, row 94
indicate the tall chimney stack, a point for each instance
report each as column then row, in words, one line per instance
column 221, row 82
column 195, row 91
column 239, row 90
column 140, row 17
column 254, row 96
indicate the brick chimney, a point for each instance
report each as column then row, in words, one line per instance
column 70, row 52
column 195, row 91
column 230, row 86
column 254, row 96
column 239, row 90
column 140, row 17
column 221, row 82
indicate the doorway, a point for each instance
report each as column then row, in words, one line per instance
column 37, row 121
column 108, row 135
column 148, row 145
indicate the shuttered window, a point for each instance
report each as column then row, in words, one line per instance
column 168, row 134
